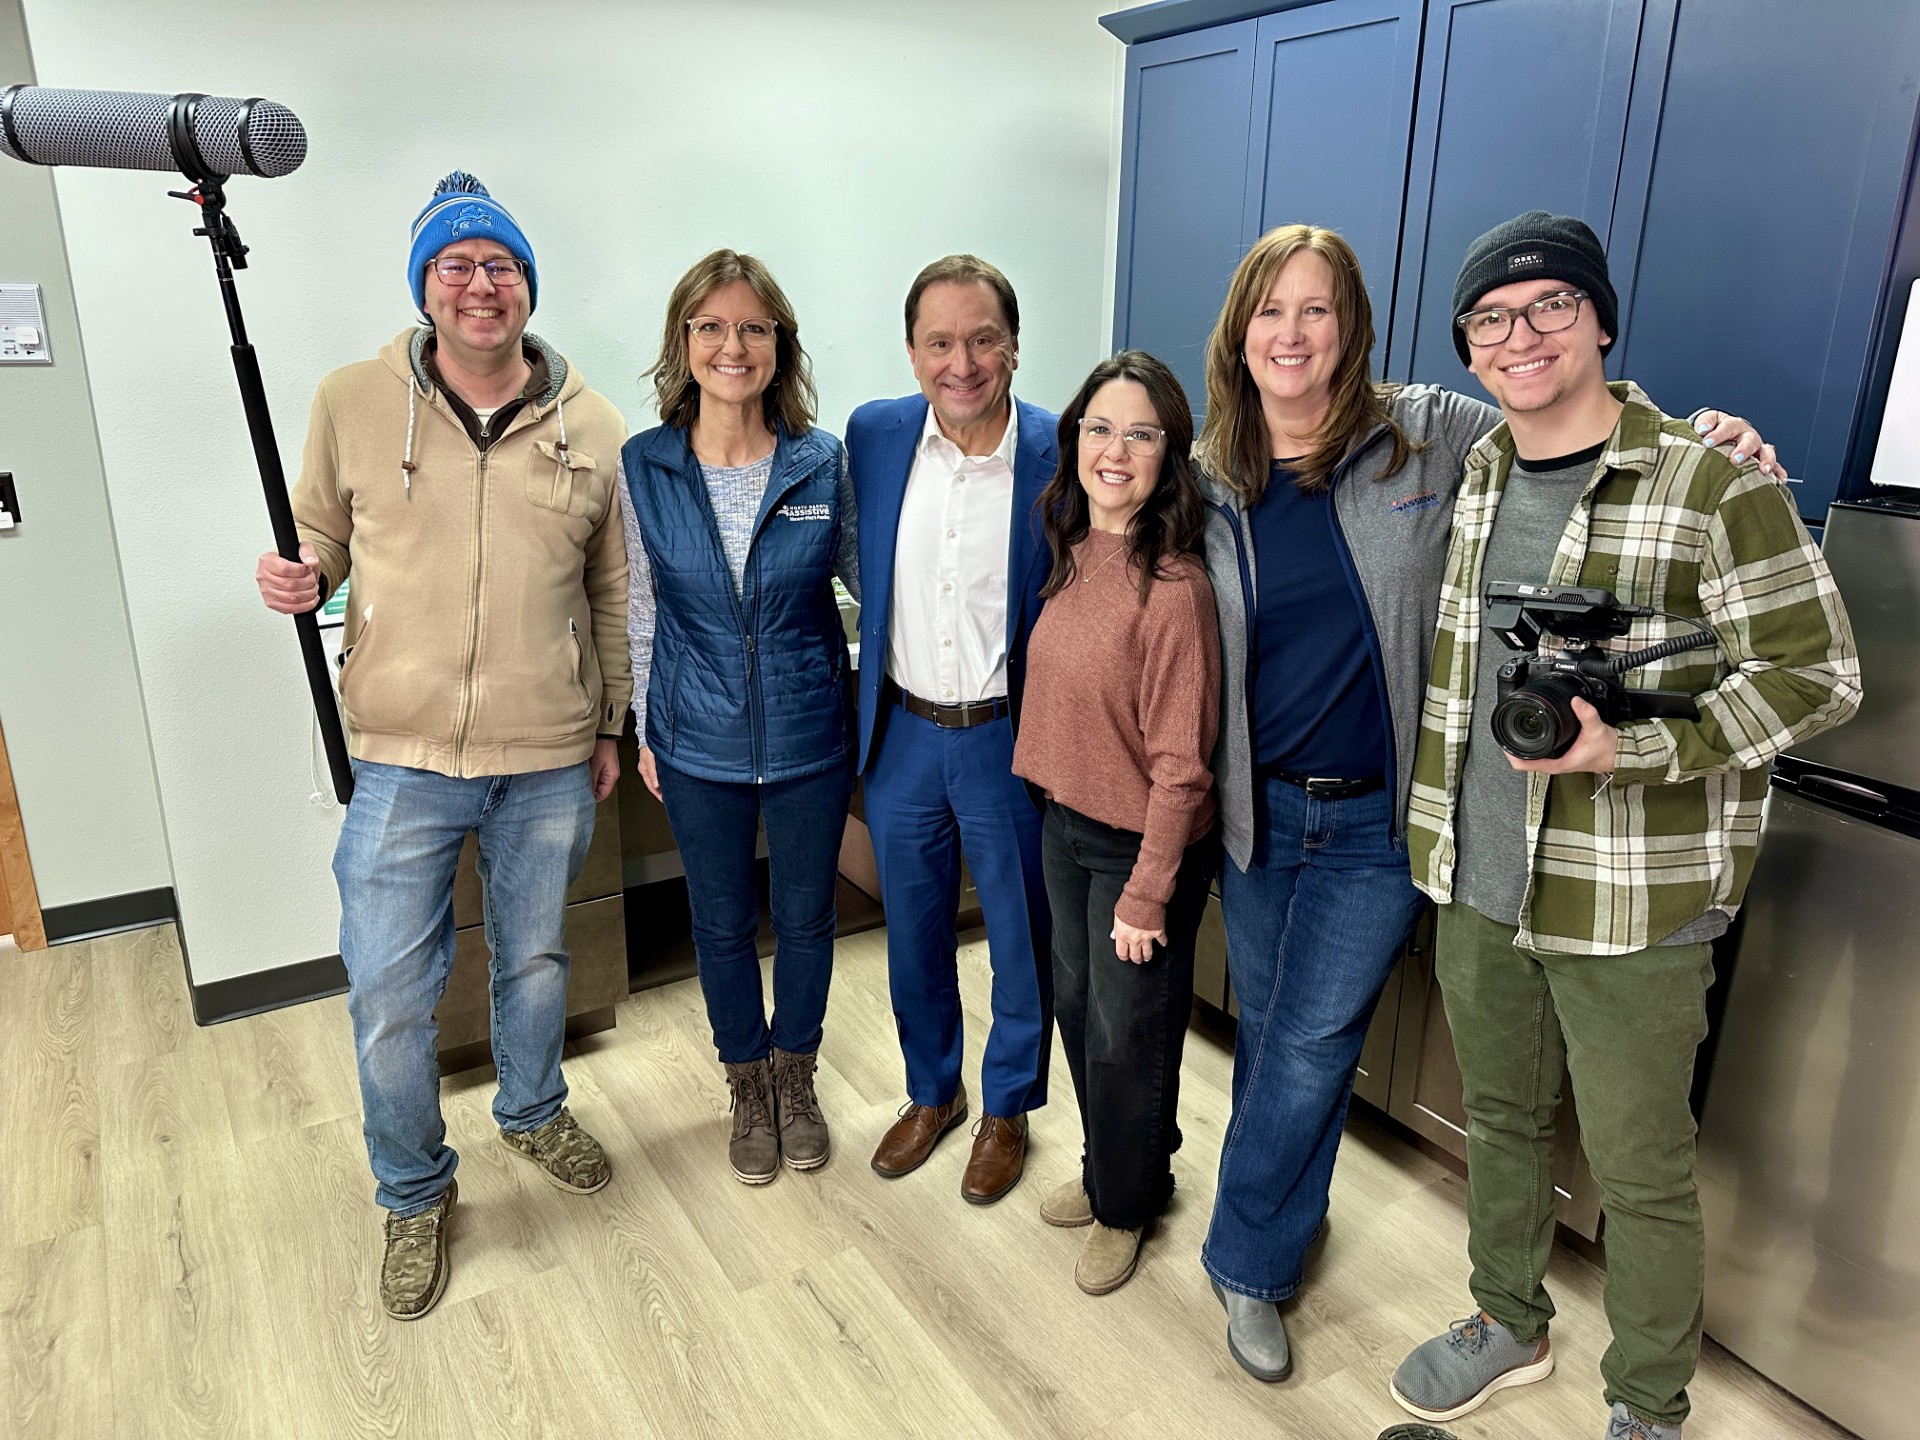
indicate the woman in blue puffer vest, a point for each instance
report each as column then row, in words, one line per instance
column 739, row 514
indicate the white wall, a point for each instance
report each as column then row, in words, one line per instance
column 845, row 142
column 69, row 693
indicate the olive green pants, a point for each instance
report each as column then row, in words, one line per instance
column 1626, row 1028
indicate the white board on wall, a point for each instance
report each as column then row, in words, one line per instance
column 1896, row 459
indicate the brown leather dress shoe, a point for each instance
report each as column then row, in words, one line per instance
column 999, row 1157
column 910, row 1139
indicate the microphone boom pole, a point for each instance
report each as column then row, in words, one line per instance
column 208, row 139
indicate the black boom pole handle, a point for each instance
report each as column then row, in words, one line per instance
column 229, row 254
column 286, row 539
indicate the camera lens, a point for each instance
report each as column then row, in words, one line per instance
column 1536, row 722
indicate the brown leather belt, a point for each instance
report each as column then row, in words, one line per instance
column 953, row 717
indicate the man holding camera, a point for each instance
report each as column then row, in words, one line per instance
column 465, row 478
column 1580, row 891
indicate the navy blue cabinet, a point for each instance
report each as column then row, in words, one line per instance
column 1523, row 106
column 1769, row 222
column 1749, row 164
column 1332, row 108
column 1183, row 182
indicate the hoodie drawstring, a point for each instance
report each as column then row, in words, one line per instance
column 407, row 467
column 560, row 406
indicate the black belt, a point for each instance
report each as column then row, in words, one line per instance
column 1323, row 787
column 953, row 717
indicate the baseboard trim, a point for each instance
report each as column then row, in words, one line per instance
column 264, row 990
column 86, row 919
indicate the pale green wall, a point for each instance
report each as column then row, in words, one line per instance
column 846, row 142
column 69, row 692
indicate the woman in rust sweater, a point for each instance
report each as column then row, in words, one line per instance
column 1121, row 707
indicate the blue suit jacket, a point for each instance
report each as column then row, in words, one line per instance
column 881, row 439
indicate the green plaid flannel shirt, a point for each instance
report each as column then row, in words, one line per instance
column 1619, row 863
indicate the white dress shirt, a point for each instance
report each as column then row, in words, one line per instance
column 948, row 638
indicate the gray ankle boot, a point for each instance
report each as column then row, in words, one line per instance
column 753, row 1147
column 1256, row 1336
column 803, row 1129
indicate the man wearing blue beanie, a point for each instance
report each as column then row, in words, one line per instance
column 465, row 478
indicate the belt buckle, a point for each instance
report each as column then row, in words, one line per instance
column 1324, row 786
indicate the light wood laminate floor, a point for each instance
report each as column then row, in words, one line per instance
column 188, row 1247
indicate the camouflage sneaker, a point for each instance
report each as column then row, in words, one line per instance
column 803, row 1129
column 566, row 1155
column 753, row 1144
column 413, row 1271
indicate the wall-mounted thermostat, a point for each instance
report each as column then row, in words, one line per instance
column 23, row 327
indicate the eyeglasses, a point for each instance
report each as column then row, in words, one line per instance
column 458, row 273
column 710, row 331
column 1138, row 439
column 1550, row 313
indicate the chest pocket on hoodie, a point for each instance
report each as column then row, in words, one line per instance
column 567, row 481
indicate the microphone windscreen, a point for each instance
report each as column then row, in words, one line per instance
column 125, row 130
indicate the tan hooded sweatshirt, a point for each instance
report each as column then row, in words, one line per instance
column 487, row 623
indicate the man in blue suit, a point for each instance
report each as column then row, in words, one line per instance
column 951, row 561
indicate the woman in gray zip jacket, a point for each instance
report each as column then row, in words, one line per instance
column 1330, row 501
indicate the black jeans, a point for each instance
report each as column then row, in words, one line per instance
column 1123, row 1025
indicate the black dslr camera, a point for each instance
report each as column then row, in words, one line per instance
column 1533, row 717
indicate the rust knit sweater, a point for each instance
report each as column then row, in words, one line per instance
column 1121, row 706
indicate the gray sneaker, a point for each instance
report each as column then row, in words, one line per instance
column 567, row 1156
column 413, row 1270
column 803, row 1129
column 1623, row 1424
column 753, row 1146
column 1256, row 1335
column 1455, row 1373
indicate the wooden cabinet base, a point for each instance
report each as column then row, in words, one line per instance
column 477, row 1053
column 596, row 982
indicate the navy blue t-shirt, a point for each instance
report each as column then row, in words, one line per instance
column 1316, row 705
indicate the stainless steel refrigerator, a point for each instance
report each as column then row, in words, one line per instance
column 1809, row 1147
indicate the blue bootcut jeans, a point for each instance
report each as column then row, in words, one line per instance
column 1313, row 926
column 395, row 865
column 716, row 825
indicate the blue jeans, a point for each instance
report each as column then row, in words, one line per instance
column 395, row 865
column 716, row 824
column 1313, row 927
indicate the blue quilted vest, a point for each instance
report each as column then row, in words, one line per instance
column 755, row 686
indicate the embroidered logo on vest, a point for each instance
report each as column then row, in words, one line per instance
column 807, row 512
column 1413, row 504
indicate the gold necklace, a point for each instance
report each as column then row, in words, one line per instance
column 1087, row 579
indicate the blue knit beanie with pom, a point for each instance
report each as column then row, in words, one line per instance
column 461, row 209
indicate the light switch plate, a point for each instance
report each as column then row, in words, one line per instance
column 23, row 327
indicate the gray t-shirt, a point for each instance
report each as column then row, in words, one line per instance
column 1491, row 874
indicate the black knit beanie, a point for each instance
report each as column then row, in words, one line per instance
column 1536, row 246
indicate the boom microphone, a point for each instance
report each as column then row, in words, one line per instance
column 205, row 136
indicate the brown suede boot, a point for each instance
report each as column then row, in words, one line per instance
column 803, row 1129
column 753, row 1147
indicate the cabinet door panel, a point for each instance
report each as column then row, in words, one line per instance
column 1182, row 186
column 1332, row 116
column 1523, row 106
column 1770, row 216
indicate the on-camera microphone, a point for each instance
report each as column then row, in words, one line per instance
column 204, row 136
